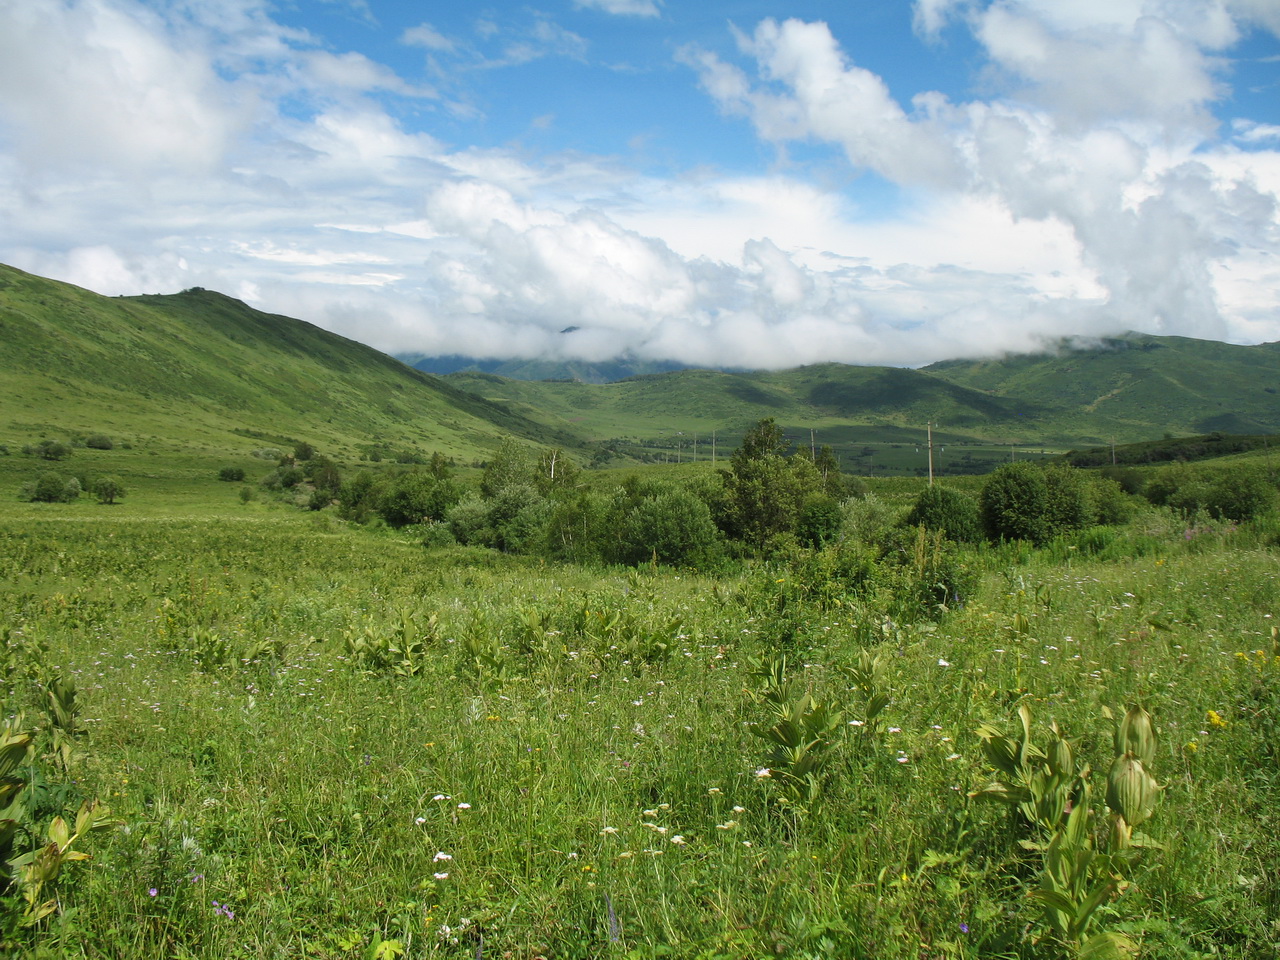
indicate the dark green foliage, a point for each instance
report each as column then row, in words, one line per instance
column 1131, row 481
column 48, row 450
column 108, row 489
column 1015, row 504
column 325, row 478
column 1069, row 499
column 415, row 497
column 819, row 521
column 303, row 451
column 358, row 497
column 49, row 488
column 1111, row 502
column 670, row 526
column 510, row 465
column 98, row 441
column 765, row 492
column 954, row 513
column 231, row 474
column 1239, row 495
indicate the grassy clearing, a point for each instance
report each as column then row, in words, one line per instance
column 562, row 762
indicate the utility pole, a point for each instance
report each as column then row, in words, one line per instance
column 713, row 448
column 929, row 428
column 813, row 449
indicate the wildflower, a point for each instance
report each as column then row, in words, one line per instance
column 857, row 723
column 712, row 791
column 954, row 756
column 441, row 876
column 943, row 663
column 763, row 773
column 608, row 830
column 727, row 825
column 678, row 840
column 153, row 892
column 464, row 806
column 904, row 759
column 420, row 821
column 223, row 910
column 442, row 796
column 964, row 928
column 739, row 809
column 1215, row 719
column 441, row 855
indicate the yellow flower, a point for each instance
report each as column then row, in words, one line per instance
column 1215, row 720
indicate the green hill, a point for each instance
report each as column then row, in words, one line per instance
column 200, row 369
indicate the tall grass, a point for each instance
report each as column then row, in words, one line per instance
column 570, row 769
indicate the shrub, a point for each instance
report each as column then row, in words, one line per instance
column 673, row 527
column 48, row 450
column 303, row 451
column 819, row 522
column 98, row 441
column 52, row 487
column 231, row 474
column 1015, row 504
column 952, row 512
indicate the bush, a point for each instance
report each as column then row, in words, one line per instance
column 48, row 450
column 98, row 441
column 231, row 474
column 1015, row 504
column 52, row 487
column 947, row 510
column 819, row 522
column 673, row 527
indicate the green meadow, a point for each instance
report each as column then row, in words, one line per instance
column 321, row 739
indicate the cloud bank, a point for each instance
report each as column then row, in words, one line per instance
column 1090, row 190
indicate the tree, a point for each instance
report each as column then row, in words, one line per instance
column 303, row 451
column 765, row 491
column 108, row 489
column 49, row 488
column 510, row 465
column 231, row 474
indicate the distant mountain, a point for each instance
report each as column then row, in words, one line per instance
column 205, row 371
column 580, row 370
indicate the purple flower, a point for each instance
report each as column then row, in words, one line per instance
column 964, row 928
column 224, row 910
column 153, row 892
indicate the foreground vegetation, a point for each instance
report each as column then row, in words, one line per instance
column 311, row 738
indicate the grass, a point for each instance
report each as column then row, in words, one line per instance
column 322, row 802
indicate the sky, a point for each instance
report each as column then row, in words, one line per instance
column 734, row 183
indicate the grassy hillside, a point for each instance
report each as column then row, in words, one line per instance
column 199, row 370
column 1137, row 387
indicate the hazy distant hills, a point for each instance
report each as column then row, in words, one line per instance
column 582, row 370
column 214, row 372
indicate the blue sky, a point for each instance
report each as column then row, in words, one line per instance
column 744, row 183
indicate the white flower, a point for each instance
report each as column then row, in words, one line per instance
column 441, row 855
column 655, row 828
column 608, row 830
column 441, row 796
column 739, row 809
column 943, row 663
column 954, row 756
column 895, row 729
column 420, row 821
column 857, row 723
column 764, row 772
column 677, row 839
column 650, row 813
column 713, row 790
column 727, row 825
column 464, row 806
column 904, row 759
column 441, row 876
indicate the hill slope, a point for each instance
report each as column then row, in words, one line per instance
column 205, row 368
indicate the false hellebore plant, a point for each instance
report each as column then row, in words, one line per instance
column 1081, row 870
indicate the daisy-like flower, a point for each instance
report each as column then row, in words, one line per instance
column 679, row 840
column 441, row 855
column 464, row 806
column 763, row 773
column 608, row 830
column 441, row 876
